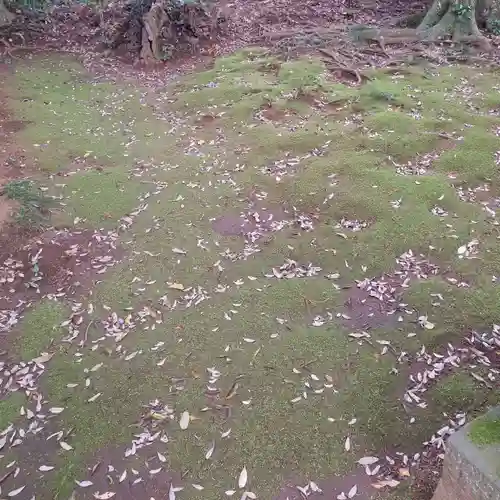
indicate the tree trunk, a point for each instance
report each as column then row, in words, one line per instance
column 451, row 17
column 6, row 16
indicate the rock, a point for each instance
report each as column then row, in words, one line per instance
column 470, row 472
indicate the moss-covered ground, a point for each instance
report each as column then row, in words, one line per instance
column 255, row 134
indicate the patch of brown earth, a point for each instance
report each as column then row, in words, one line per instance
column 377, row 302
column 206, row 120
column 310, row 98
column 81, row 164
column 445, row 143
column 364, row 312
column 425, row 477
column 333, row 487
column 142, row 470
column 62, row 260
column 342, row 107
column 7, row 208
column 486, row 195
column 61, row 263
column 270, row 67
column 259, row 218
column 12, row 126
column 271, row 113
column 41, row 452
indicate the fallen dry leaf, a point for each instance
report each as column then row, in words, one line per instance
column 242, row 480
column 184, row 421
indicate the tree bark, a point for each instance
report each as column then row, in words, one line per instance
column 452, row 17
column 6, row 16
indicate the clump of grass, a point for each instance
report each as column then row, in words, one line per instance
column 33, row 207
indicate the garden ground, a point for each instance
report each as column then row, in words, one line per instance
column 259, row 282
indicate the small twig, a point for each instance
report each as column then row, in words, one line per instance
column 307, row 364
column 85, row 336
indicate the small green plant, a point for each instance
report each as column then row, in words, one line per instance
column 33, row 204
column 493, row 26
column 380, row 95
column 462, row 11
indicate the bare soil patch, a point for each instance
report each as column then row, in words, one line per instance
column 445, row 144
column 311, row 99
column 41, row 451
column 364, row 312
column 333, row 487
column 142, row 480
column 65, row 260
column 259, row 219
column 425, row 476
column 61, row 263
column 7, row 208
column 274, row 114
column 271, row 68
column 271, row 113
column 12, row 126
column 377, row 302
column 342, row 107
column 206, row 120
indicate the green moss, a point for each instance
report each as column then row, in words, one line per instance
column 400, row 135
column 94, row 425
column 380, row 92
column 473, row 160
column 352, row 178
column 455, row 390
column 101, row 198
column 10, row 408
column 485, row 431
column 40, row 327
column 70, row 116
column 305, row 74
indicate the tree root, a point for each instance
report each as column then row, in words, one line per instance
column 278, row 35
column 332, row 56
column 386, row 37
column 351, row 71
column 455, row 18
column 10, row 49
column 341, row 66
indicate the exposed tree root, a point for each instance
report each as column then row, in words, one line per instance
column 278, row 35
column 455, row 19
column 342, row 67
column 10, row 49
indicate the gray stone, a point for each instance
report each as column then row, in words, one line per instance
column 470, row 472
